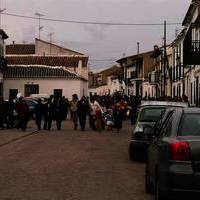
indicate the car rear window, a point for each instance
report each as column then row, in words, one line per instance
column 151, row 114
column 190, row 125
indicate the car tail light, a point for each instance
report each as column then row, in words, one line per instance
column 180, row 151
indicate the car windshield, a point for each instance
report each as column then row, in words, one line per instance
column 31, row 103
column 190, row 125
column 151, row 114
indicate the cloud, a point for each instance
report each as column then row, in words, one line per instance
column 97, row 31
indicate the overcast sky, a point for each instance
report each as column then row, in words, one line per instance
column 100, row 42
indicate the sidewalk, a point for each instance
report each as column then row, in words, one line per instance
column 9, row 135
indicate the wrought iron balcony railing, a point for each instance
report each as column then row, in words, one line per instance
column 195, row 46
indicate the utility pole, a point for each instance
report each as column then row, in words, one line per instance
column 138, row 47
column 139, row 90
column 165, row 57
column 50, row 36
column 39, row 18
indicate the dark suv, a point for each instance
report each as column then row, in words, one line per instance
column 173, row 158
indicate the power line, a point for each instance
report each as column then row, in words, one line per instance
column 90, row 22
column 101, row 60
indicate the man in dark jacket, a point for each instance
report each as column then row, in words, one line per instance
column 23, row 113
column 38, row 114
column 82, row 110
column 10, row 113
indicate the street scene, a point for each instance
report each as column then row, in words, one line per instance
column 86, row 115
column 70, row 165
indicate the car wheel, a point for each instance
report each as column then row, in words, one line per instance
column 132, row 152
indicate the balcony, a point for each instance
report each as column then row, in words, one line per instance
column 191, row 51
column 133, row 75
column 154, row 77
column 195, row 48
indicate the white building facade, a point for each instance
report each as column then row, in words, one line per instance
column 186, row 57
column 45, row 68
column 48, row 80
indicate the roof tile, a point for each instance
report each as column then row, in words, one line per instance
column 65, row 61
column 38, row 72
column 20, row 49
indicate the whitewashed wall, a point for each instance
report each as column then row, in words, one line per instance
column 47, row 49
column 47, row 86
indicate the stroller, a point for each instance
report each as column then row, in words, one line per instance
column 109, row 120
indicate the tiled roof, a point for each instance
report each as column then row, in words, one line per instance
column 3, row 34
column 112, row 70
column 65, row 61
column 20, row 49
column 63, row 48
column 133, row 57
column 39, row 72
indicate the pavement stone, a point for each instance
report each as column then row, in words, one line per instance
column 9, row 135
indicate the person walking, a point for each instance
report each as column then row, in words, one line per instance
column 82, row 111
column 23, row 113
column 118, row 116
column 59, row 112
column 64, row 107
column 45, row 113
column 51, row 112
column 38, row 114
column 92, row 117
column 10, row 113
column 73, row 108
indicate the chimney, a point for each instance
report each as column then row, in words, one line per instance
column 156, row 47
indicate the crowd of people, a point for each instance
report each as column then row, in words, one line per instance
column 100, row 111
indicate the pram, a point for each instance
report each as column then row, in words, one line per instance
column 109, row 120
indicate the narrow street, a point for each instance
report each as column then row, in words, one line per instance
column 71, row 165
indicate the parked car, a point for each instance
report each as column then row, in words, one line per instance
column 37, row 96
column 31, row 104
column 173, row 158
column 150, row 112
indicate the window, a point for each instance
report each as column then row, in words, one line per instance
column 13, row 93
column 57, row 92
column 31, row 89
column 166, row 130
column 190, row 125
column 191, row 93
column 151, row 114
column 163, row 126
column 99, row 79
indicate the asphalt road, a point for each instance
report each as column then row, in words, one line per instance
column 71, row 165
